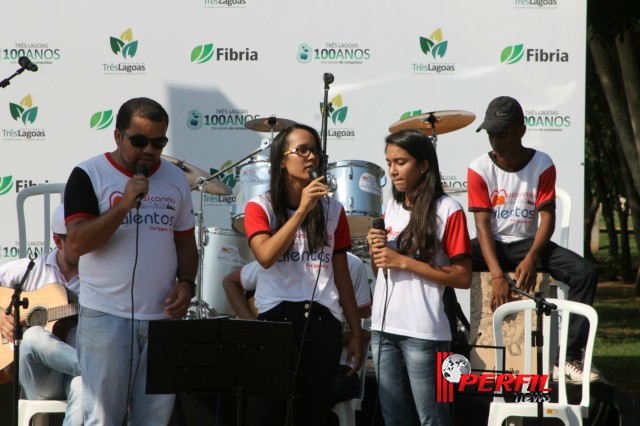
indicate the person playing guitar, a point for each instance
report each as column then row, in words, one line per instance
column 49, row 367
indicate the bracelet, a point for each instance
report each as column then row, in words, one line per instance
column 191, row 282
column 496, row 278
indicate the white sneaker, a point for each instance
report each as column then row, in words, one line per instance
column 574, row 373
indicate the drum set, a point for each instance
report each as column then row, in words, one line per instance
column 356, row 184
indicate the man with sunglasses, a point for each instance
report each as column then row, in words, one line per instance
column 130, row 219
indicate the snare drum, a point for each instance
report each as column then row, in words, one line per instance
column 358, row 186
column 252, row 178
column 224, row 251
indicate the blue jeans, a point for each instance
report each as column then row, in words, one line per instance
column 104, row 350
column 406, row 373
column 49, row 369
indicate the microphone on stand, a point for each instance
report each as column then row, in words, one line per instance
column 27, row 64
column 328, row 78
column 378, row 223
column 315, row 174
column 141, row 171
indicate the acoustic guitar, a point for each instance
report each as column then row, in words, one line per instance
column 46, row 305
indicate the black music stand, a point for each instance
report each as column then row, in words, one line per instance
column 221, row 356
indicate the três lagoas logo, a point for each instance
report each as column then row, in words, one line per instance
column 25, row 114
column 434, row 48
column 125, row 47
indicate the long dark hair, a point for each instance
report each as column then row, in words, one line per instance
column 313, row 224
column 421, row 234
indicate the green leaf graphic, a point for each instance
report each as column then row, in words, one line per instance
column 440, row 49
column 339, row 116
column 230, row 181
column 16, row 110
column 116, row 44
column 201, row 54
column 130, row 49
column 426, row 45
column 512, row 54
column 101, row 120
column 5, row 184
column 30, row 115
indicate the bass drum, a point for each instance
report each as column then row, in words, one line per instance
column 224, row 251
column 358, row 186
column 252, row 178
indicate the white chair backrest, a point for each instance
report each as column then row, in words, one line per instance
column 565, row 218
column 567, row 308
column 46, row 190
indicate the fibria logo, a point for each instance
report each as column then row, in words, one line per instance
column 512, row 54
column 205, row 52
column 6, row 183
column 101, row 120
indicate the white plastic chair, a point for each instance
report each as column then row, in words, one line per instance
column 565, row 218
column 569, row 413
column 46, row 190
column 346, row 410
column 29, row 408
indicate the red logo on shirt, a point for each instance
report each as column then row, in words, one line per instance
column 498, row 197
column 115, row 198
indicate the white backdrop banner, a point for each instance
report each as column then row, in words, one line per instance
column 216, row 64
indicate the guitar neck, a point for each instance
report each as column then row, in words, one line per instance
column 62, row 311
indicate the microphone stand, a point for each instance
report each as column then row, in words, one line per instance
column 201, row 308
column 15, row 305
column 4, row 83
column 542, row 308
column 324, row 160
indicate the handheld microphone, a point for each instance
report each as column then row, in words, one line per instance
column 378, row 223
column 27, row 64
column 328, row 78
column 141, row 171
column 315, row 174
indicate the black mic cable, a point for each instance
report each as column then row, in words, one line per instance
column 140, row 171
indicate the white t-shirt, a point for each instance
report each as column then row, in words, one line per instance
column 357, row 270
column 293, row 277
column 513, row 198
column 414, row 305
column 106, row 273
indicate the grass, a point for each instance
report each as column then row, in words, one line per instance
column 617, row 347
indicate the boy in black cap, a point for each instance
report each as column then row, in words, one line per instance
column 511, row 188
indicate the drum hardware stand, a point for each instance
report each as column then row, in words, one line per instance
column 200, row 308
column 434, row 137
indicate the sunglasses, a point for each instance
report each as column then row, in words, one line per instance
column 141, row 141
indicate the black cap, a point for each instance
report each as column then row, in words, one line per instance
column 501, row 112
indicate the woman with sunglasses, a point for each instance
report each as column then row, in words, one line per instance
column 424, row 249
column 301, row 240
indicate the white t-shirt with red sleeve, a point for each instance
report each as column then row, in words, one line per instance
column 411, row 305
column 293, row 276
column 513, row 198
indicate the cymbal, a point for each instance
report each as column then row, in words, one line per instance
column 214, row 186
column 440, row 121
column 268, row 124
